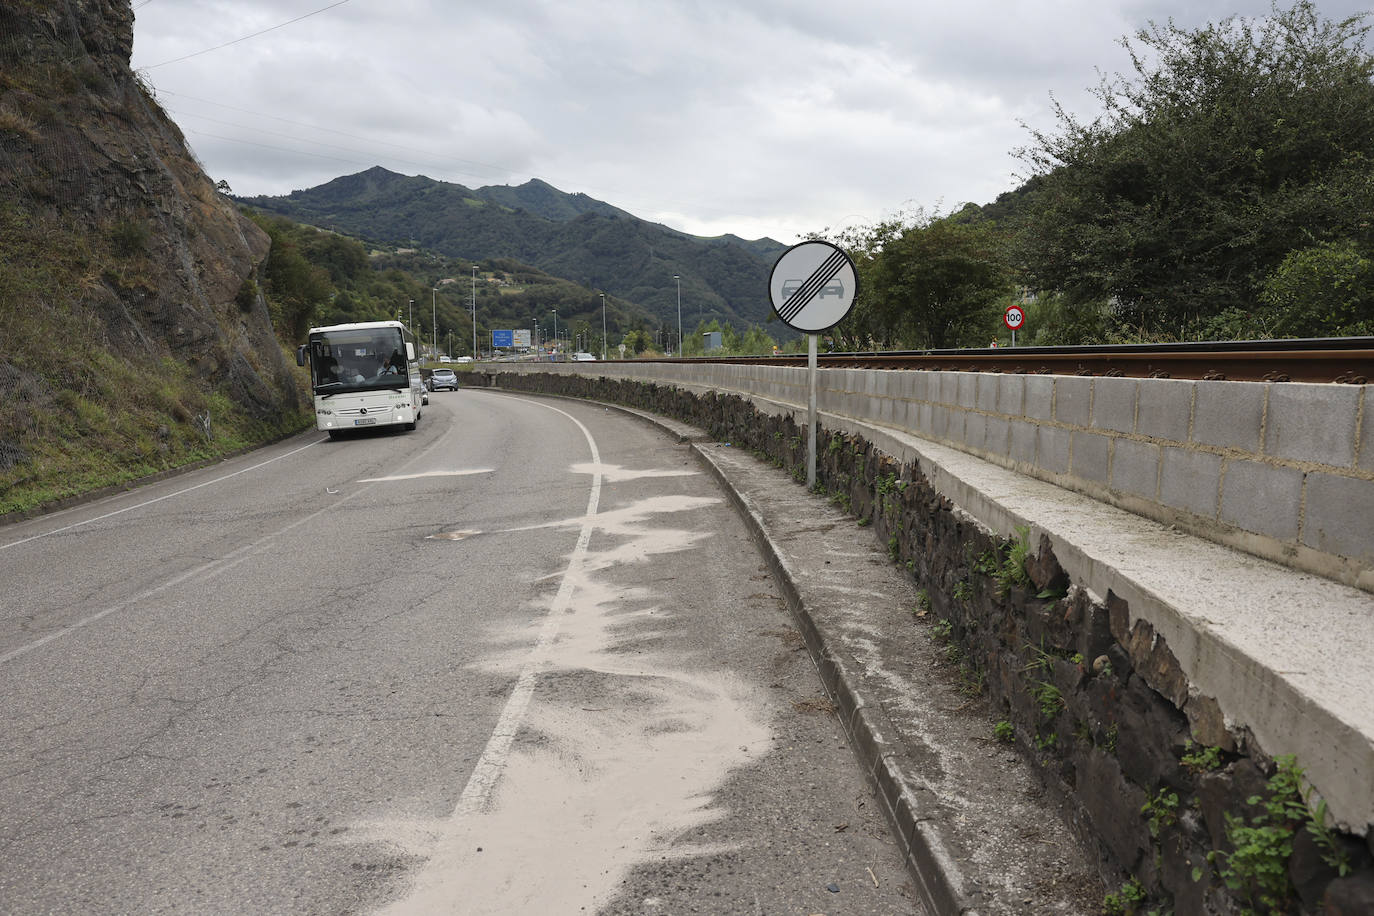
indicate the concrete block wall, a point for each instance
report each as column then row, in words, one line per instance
column 1280, row 470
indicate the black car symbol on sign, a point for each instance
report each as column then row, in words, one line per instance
column 833, row 288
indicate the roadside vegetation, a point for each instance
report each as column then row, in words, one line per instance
column 75, row 416
column 1223, row 192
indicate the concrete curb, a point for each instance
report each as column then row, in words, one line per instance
column 938, row 879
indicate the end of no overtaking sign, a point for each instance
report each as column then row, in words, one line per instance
column 813, row 286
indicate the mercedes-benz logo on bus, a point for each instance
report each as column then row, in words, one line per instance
column 362, row 410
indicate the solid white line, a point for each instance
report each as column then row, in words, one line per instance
column 427, row 474
column 101, row 518
column 210, row 569
column 489, row 767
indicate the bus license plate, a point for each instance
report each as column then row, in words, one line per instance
column 365, row 421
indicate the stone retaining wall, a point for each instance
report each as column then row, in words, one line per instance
column 1281, row 470
column 1179, row 803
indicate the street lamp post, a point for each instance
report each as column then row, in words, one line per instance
column 603, row 327
column 474, row 312
column 555, row 327
column 411, row 313
column 433, row 316
column 677, row 278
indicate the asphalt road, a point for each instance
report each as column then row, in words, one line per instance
column 524, row 659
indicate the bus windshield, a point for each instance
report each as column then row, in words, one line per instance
column 350, row 359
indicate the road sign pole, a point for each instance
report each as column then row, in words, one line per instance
column 802, row 285
column 811, row 413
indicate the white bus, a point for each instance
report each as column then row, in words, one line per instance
column 364, row 375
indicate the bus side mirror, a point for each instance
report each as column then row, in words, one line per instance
column 410, row 352
column 300, row 356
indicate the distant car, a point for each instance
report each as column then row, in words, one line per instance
column 583, row 358
column 463, row 359
column 443, row 378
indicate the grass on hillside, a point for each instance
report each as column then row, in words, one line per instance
column 74, row 417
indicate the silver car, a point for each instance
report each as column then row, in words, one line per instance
column 443, row 378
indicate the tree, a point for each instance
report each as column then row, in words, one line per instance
column 1232, row 145
column 866, row 326
column 297, row 289
column 924, row 282
column 939, row 283
column 1325, row 289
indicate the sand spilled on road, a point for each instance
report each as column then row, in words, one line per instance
column 618, row 753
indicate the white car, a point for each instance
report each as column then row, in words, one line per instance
column 583, row 358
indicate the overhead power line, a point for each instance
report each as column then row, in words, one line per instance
column 246, row 37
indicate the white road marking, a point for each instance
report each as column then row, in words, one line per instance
column 209, row 570
column 495, row 755
column 101, row 518
column 614, row 473
column 427, row 474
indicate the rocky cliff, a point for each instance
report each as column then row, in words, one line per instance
column 113, row 239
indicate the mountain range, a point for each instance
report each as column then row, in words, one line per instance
column 572, row 236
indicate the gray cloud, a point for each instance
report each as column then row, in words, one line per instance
column 758, row 117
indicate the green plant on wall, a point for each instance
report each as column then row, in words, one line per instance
column 988, row 563
column 1047, row 698
column 922, row 603
column 1200, row 758
column 1257, row 868
column 1161, row 811
column 1127, row 900
column 1012, row 572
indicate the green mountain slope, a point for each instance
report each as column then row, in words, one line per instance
column 567, row 235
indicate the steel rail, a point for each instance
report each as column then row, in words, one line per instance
column 1344, row 360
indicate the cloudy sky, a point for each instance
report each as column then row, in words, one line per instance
column 757, row 117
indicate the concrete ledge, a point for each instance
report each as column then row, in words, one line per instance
column 1288, row 655
column 1210, row 443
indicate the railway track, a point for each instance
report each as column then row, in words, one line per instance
column 1341, row 360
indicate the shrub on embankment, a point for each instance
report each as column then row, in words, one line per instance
column 1193, row 818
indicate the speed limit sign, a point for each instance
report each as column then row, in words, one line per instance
column 1014, row 317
